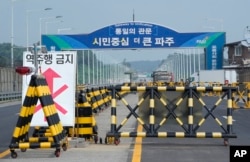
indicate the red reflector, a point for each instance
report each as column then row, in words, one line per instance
column 226, row 81
column 24, row 70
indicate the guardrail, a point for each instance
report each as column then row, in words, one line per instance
column 9, row 96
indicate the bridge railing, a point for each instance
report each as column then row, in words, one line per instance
column 10, row 96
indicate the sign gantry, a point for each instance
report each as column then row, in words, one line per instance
column 136, row 35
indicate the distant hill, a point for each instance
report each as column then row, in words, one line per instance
column 145, row 66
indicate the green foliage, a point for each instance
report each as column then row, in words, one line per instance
column 5, row 55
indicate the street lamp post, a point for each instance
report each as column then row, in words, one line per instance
column 50, row 22
column 27, row 23
column 45, row 18
column 216, row 20
column 62, row 29
column 12, row 32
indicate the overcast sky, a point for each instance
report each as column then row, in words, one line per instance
column 86, row 16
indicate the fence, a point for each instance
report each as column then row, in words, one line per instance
column 10, row 85
column 9, row 96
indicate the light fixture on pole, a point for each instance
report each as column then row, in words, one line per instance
column 62, row 29
column 45, row 18
column 209, row 28
column 50, row 22
column 27, row 23
column 12, row 33
column 216, row 20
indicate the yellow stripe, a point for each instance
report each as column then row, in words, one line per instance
column 151, row 103
column 190, row 119
column 23, row 111
column 125, row 102
column 5, row 153
column 124, row 88
column 53, row 130
column 45, row 145
column 141, row 100
column 200, row 88
column 141, row 88
column 180, row 100
column 30, row 91
column 201, row 134
column 141, row 134
column 218, row 121
column 94, row 105
column 137, row 147
column 113, row 103
column 216, row 135
column 163, row 121
column 201, row 101
column 230, row 120
column 229, row 103
column 161, row 88
column 190, row 102
column 46, row 111
column 16, row 132
column 180, row 88
column 179, row 121
column 163, row 102
column 24, row 145
column 217, row 88
column 218, row 102
column 179, row 134
column 113, row 119
column 83, row 120
column 140, row 121
column 124, row 121
column 162, row 134
column 84, row 131
column 201, row 122
column 151, row 119
column 125, row 134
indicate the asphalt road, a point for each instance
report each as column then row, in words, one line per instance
column 200, row 149
column 152, row 149
column 8, row 117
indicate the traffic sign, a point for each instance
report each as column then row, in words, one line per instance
column 59, row 69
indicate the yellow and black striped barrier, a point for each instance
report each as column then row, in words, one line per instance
column 99, row 98
column 190, row 128
column 242, row 94
column 105, row 95
column 38, row 90
column 85, row 123
column 124, row 93
column 91, row 99
column 42, row 132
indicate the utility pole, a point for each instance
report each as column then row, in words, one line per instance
column 133, row 15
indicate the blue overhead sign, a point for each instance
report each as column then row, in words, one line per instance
column 133, row 35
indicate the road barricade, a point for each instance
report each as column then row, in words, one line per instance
column 190, row 127
column 85, row 123
column 98, row 98
column 105, row 95
column 38, row 90
column 241, row 95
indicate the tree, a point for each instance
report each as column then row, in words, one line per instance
column 5, row 55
